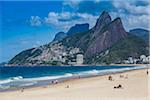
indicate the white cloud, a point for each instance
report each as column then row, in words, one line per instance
column 137, row 16
column 131, row 21
column 132, row 15
column 72, row 3
column 131, row 6
column 75, row 3
column 65, row 20
column 24, row 42
column 35, row 21
column 97, row 1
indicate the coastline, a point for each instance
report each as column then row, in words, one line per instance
column 70, row 76
column 85, row 83
column 76, row 65
column 44, row 81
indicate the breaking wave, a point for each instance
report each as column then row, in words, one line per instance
column 20, row 81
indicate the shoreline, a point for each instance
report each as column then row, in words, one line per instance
column 73, row 65
column 74, row 77
column 68, row 80
column 100, row 87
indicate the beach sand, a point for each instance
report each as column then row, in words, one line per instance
column 135, row 87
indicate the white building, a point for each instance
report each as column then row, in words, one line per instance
column 79, row 59
column 71, row 63
column 135, row 61
column 74, row 51
column 142, row 57
column 126, row 61
column 145, row 59
column 130, row 59
column 148, row 59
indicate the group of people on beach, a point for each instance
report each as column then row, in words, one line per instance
column 123, row 76
column 54, row 82
column 110, row 78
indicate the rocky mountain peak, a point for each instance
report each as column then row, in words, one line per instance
column 103, row 20
column 104, row 14
column 92, row 43
column 106, row 33
column 117, row 26
column 118, row 20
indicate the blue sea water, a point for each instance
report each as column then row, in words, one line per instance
column 18, row 77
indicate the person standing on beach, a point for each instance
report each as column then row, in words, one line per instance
column 22, row 90
column 147, row 72
column 110, row 78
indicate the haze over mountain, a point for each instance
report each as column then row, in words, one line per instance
column 143, row 33
column 107, row 42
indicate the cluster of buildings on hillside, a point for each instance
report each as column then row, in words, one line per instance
column 74, row 56
column 58, row 54
column 143, row 59
column 63, row 55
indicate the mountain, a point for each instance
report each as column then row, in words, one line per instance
column 143, row 33
column 3, row 64
column 132, row 46
column 107, row 42
column 78, row 28
column 46, row 54
column 102, row 36
column 23, row 58
column 59, row 36
column 106, row 37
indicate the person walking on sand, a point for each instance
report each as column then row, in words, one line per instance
column 110, row 78
column 22, row 90
column 147, row 72
column 67, row 86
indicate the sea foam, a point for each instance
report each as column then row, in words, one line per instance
column 20, row 81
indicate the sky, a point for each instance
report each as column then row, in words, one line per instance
column 27, row 24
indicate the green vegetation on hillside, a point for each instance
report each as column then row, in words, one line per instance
column 78, row 41
column 132, row 46
column 22, row 57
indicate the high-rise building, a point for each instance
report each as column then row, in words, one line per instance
column 79, row 59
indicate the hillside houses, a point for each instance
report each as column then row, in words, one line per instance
column 143, row 59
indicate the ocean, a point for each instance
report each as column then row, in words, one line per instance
column 12, row 78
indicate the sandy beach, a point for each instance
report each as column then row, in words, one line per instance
column 135, row 86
